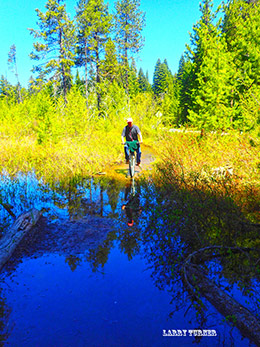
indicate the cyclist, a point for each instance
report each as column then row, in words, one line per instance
column 131, row 133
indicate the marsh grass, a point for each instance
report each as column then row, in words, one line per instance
column 191, row 163
column 60, row 142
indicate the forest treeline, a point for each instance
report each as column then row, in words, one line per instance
column 217, row 84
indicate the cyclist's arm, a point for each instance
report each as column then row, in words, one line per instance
column 122, row 140
column 140, row 137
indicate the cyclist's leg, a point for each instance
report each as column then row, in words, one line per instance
column 126, row 153
column 138, row 152
column 132, row 164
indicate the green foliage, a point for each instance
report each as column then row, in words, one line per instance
column 143, row 82
column 212, row 70
column 241, row 30
column 133, row 80
column 129, row 23
column 166, row 89
column 61, row 141
column 216, row 86
column 55, row 47
column 95, row 24
column 110, row 66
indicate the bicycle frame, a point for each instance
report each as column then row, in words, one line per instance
column 132, row 158
column 132, row 164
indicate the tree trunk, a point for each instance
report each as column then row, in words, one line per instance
column 86, row 72
column 14, row 235
column 234, row 312
column 63, row 73
column 98, row 79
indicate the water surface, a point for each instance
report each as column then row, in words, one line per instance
column 84, row 277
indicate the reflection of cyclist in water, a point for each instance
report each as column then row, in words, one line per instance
column 132, row 206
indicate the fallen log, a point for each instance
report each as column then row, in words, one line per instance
column 198, row 284
column 14, row 235
column 234, row 312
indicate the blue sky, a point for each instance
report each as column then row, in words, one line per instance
column 168, row 23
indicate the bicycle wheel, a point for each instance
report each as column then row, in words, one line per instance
column 132, row 164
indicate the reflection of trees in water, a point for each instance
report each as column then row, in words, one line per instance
column 4, row 315
column 99, row 256
column 191, row 239
column 86, row 196
column 129, row 242
column 113, row 190
column 73, row 261
column 175, row 223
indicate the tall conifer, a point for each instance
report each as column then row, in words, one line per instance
column 212, row 70
column 129, row 23
column 55, row 44
column 241, row 30
column 13, row 66
column 95, row 24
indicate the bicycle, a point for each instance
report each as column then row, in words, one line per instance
column 133, row 146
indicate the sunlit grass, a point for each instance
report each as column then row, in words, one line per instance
column 61, row 142
column 56, row 162
column 226, row 165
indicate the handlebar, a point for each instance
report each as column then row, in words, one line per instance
column 132, row 145
column 132, row 142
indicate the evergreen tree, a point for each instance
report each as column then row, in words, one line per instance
column 13, row 66
column 79, row 83
column 110, row 66
column 129, row 23
column 95, row 24
column 212, row 71
column 184, row 82
column 6, row 89
column 133, row 80
column 156, row 76
column 143, row 82
column 83, row 37
column 162, row 78
column 241, row 30
column 55, row 47
column 149, row 87
column 169, row 79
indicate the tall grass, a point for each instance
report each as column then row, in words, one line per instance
column 226, row 166
column 60, row 142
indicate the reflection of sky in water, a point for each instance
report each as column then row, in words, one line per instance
column 117, row 305
column 25, row 191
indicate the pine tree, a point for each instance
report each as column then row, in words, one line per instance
column 110, row 66
column 79, row 83
column 143, row 82
column 149, row 87
column 241, row 30
column 82, row 46
column 184, row 81
column 212, row 70
column 162, row 78
column 55, row 47
column 133, row 80
column 129, row 23
column 13, row 66
column 95, row 24
column 6, row 89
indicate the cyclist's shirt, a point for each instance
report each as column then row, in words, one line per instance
column 131, row 133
